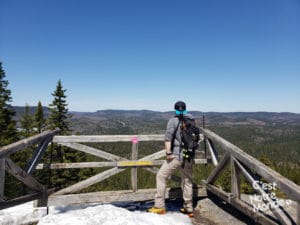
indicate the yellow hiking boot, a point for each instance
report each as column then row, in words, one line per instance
column 157, row 210
column 184, row 211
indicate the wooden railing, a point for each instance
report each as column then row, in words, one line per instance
column 242, row 164
column 24, row 175
column 68, row 195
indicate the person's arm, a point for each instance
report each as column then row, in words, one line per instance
column 168, row 147
column 169, row 153
column 168, row 139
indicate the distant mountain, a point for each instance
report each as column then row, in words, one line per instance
column 146, row 121
column 253, row 118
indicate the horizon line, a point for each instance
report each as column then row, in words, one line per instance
column 110, row 109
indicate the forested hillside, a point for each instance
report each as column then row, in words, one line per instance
column 276, row 135
column 273, row 138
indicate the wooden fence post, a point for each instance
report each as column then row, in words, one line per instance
column 134, row 156
column 235, row 179
column 2, row 178
column 298, row 213
column 42, row 201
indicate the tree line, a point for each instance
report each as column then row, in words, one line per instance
column 30, row 125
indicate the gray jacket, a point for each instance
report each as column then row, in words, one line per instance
column 171, row 127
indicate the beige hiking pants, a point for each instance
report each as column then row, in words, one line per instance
column 166, row 170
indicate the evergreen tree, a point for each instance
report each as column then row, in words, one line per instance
column 39, row 119
column 59, row 117
column 8, row 133
column 27, row 122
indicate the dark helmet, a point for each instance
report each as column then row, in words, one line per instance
column 180, row 106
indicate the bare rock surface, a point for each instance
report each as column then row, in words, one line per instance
column 210, row 213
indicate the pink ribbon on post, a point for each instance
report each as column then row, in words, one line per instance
column 134, row 140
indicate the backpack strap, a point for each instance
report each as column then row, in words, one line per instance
column 174, row 135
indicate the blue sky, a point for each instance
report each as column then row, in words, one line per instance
column 233, row 55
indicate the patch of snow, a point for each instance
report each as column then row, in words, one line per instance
column 88, row 214
column 21, row 214
column 106, row 214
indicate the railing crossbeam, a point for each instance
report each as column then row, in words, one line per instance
column 213, row 152
column 37, row 155
column 276, row 211
column 235, row 179
column 21, row 175
column 90, row 181
column 216, row 172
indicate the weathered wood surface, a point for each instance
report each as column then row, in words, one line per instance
column 21, row 175
column 107, row 138
column 2, row 178
column 288, row 187
column 213, row 153
column 77, row 165
column 276, row 211
column 117, row 196
column 38, row 154
column 134, row 156
column 117, row 160
column 161, row 154
column 90, row 181
column 216, row 172
column 93, row 151
column 239, row 204
column 235, row 179
column 298, row 213
column 19, row 145
column 97, row 178
column 156, row 155
column 235, row 157
column 20, row 200
column 120, row 164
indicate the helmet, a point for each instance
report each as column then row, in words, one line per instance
column 180, row 106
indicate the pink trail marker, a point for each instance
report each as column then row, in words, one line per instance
column 134, row 140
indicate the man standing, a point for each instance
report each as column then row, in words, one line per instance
column 175, row 160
